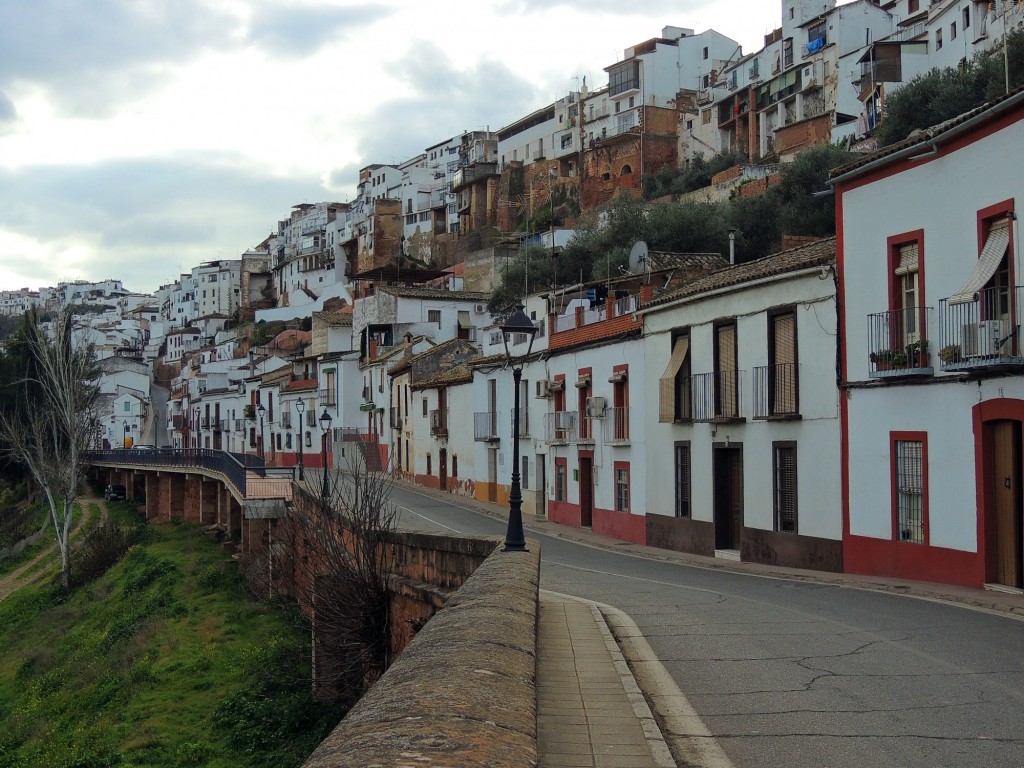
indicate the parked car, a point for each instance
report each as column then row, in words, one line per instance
column 115, row 493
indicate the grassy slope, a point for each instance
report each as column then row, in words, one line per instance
column 165, row 661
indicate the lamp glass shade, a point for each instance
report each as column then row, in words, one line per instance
column 325, row 420
column 516, row 324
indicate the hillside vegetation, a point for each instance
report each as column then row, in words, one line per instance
column 163, row 661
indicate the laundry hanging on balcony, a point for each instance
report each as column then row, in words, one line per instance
column 988, row 262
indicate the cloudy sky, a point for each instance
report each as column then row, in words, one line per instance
column 139, row 138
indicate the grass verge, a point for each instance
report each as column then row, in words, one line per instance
column 163, row 661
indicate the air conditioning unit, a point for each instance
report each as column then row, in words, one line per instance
column 563, row 419
column 543, row 389
column 480, row 309
column 982, row 339
column 596, row 407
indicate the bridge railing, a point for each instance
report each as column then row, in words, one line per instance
column 233, row 466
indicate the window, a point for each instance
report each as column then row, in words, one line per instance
column 906, row 300
column 689, row 125
column 938, row 39
column 455, row 465
column 624, row 76
column 909, row 456
column 782, row 371
column 424, row 406
column 674, row 384
column 632, row 101
column 127, row 407
column 434, row 316
column 618, row 106
column 966, row 23
column 726, row 373
column 913, row 6
column 621, row 487
column 784, row 486
column 787, row 52
column 952, row 31
column 705, row 51
column 705, row 117
column 561, row 473
column 682, row 463
column 430, row 469
column 526, row 473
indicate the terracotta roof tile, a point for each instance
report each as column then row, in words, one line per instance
column 817, row 254
column 415, row 292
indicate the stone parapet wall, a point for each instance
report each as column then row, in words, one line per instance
column 463, row 693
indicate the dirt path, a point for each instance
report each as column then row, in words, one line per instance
column 34, row 569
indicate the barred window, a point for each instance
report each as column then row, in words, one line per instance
column 622, row 489
column 682, row 462
column 560, row 477
column 909, row 471
column 784, row 472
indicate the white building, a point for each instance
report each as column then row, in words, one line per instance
column 932, row 355
column 216, row 287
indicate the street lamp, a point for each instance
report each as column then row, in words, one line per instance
column 262, row 411
column 518, row 323
column 300, row 406
column 325, row 425
column 124, row 436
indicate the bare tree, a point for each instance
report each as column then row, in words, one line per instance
column 340, row 558
column 53, row 426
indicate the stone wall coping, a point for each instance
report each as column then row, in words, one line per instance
column 463, row 693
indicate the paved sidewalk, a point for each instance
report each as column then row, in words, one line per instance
column 590, row 712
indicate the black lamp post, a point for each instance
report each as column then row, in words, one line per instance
column 262, row 411
column 518, row 323
column 124, row 435
column 325, row 425
column 300, row 406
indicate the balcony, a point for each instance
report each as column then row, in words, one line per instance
column 396, row 420
column 524, row 422
column 439, row 423
column 207, row 422
column 327, row 398
column 618, row 424
column 775, row 392
column 560, row 427
column 485, row 426
column 982, row 334
column 286, row 420
column 716, row 397
column 898, row 343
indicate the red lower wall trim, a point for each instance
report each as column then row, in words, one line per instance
column 916, row 562
column 564, row 513
column 620, row 525
column 429, row 481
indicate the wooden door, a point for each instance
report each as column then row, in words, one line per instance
column 492, row 474
column 586, row 492
column 728, row 502
column 442, row 468
column 542, row 486
column 1006, row 497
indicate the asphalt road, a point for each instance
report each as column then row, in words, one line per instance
column 797, row 674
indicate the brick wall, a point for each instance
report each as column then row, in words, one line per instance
column 791, row 139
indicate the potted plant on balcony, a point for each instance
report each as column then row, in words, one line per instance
column 887, row 359
column 950, row 354
column 917, row 354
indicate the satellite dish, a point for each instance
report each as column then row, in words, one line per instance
column 638, row 258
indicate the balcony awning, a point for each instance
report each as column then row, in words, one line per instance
column 666, row 384
column 988, row 262
column 464, row 321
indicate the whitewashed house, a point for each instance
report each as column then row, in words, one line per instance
column 929, row 257
column 741, row 417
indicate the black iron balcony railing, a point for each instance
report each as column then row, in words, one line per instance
column 485, row 426
column 983, row 333
column 286, row 420
column 775, row 391
column 898, row 343
column 716, row 396
column 396, row 420
column 328, row 397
